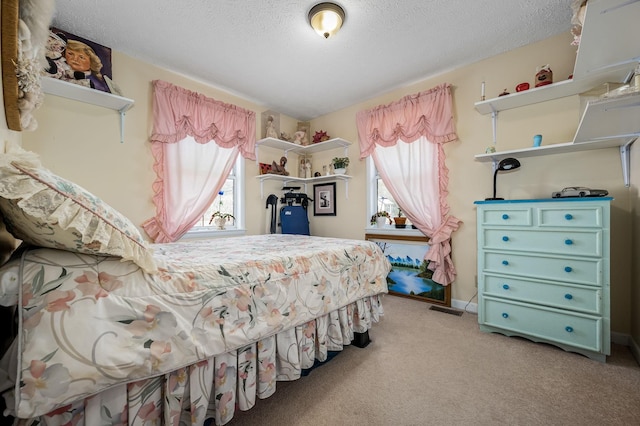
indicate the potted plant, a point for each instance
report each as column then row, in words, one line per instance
column 400, row 220
column 219, row 217
column 380, row 219
column 340, row 165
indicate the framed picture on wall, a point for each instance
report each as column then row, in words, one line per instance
column 410, row 275
column 324, row 199
column 79, row 61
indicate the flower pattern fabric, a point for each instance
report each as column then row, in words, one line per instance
column 221, row 308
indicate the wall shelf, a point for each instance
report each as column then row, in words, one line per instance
column 288, row 147
column 79, row 93
column 606, row 54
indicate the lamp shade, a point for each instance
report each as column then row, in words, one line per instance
column 326, row 18
column 505, row 164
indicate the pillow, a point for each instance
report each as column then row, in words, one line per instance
column 46, row 210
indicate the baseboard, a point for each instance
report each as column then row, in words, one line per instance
column 465, row 306
column 620, row 339
column 635, row 349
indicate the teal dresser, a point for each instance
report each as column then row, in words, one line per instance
column 543, row 271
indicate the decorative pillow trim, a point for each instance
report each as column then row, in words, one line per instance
column 91, row 225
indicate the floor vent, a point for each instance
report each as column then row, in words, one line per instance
column 446, row 310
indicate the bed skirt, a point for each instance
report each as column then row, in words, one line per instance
column 211, row 390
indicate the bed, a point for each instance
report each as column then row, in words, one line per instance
column 110, row 330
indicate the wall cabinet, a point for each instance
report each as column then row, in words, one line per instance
column 543, row 272
column 289, row 147
column 606, row 54
column 79, row 93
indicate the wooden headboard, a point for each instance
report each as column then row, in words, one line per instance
column 9, row 36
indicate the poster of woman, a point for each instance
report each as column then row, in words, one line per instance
column 79, row 61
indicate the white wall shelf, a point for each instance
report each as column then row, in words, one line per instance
column 286, row 180
column 606, row 54
column 79, row 93
column 288, row 147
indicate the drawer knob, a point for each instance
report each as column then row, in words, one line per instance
column 505, row 262
column 505, row 286
column 569, row 329
column 568, row 216
column 568, row 242
column 568, row 269
column 568, row 296
column 505, row 238
column 505, row 216
column 505, row 315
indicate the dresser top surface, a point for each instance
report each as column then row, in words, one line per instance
column 546, row 200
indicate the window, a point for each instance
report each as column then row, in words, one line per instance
column 232, row 202
column 378, row 196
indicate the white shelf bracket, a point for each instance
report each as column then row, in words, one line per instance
column 122, row 114
column 494, row 123
column 625, row 158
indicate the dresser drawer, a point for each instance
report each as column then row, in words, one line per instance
column 574, row 217
column 578, row 330
column 563, row 269
column 572, row 243
column 506, row 217
column 563, row 296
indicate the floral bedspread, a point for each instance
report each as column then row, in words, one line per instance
column 89, row 323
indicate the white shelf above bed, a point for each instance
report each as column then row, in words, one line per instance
column 79, row 93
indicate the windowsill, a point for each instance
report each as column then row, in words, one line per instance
column 211, row 233
column 392, row 230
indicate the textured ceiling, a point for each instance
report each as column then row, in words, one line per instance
column 266, row 52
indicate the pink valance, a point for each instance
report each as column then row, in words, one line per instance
column 179, row 113
column 427, row 114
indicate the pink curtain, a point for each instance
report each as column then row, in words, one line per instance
column 191, row 170
column 414, row 171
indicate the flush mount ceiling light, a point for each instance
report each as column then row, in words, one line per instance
column 326, row 18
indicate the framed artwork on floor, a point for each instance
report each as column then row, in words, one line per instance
column 324, row 199
column 410, row 276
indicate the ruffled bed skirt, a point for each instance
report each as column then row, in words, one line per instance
column 214, row 388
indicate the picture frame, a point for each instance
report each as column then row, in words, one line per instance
column 324, row 199
column 79, row 61
column 410, row 276
column 304, row 126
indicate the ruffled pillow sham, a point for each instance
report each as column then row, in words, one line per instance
column 43, row 209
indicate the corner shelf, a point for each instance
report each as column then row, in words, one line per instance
column 79, row 93
column 304, row 181
column 288, row 147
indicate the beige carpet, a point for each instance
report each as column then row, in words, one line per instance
column 431, row 368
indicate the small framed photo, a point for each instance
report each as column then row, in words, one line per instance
column 324, row 199
column 303, row 133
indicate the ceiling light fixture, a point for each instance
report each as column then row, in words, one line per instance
column 326, row 18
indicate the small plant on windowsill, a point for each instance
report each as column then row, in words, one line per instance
column 400, row 220
column 382, row 214
column 218, row 216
